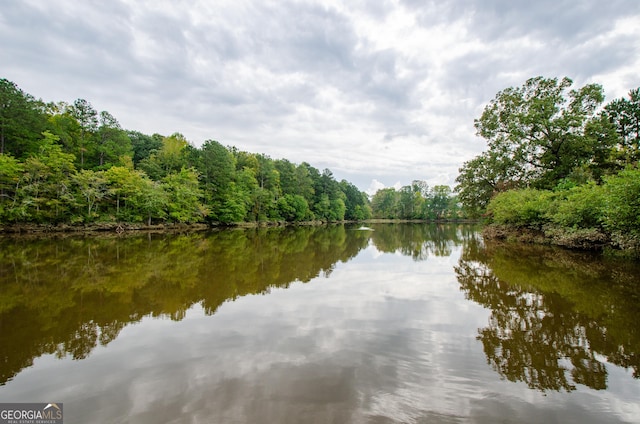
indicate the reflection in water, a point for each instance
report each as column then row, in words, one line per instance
column 389, row 337
column 67, row 296
column 554, row 313
column 419, row 241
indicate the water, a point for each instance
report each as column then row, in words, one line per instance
column 402, row 324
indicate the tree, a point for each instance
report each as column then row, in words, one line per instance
column 624, row 114
column 406, row 203
column 10, row 172
column 44, row 187
column 356, row 202
column 538, row 128
column 293, row 207
column 184, row 196
column 64, row 125
column 384, row 203
column 87, row 118
column 127, row 185
column 481, row 178
column 153, row 199
column 21, row 120
column 144, row 145
column 217, row 169
column 112, row 141
column 537, row 135
column 440, row 202
column 92, row 188
column 171, row 157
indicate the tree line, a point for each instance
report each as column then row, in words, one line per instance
column 558, row 158
column 68, row 163
column 417, row 201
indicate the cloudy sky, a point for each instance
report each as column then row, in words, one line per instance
column 381, row 92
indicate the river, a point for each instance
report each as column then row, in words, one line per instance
column 399, row 323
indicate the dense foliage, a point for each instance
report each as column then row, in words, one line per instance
column 67, row 163
column 559, row 162
column 416, row 201
column 545, row 134
column 611, row 208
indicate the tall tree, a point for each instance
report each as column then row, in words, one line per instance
column 112, row 141
column 144, row 145
column 539, row 127
column 536, row 137
column 10, row 172
column 171, row 157
column 21, row 120
column 87, row 118
column 184, row 196
column 217, row 170
column 625, row 115
column 356, row 202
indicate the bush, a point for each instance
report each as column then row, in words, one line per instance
column 621, row 206
column 579, row 207
column 527, row 207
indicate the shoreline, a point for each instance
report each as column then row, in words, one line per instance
column 590, row 239
column 135, row 228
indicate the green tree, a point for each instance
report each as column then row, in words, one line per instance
column 91, row 188
column 539, row 127
column 171, row 157
column 217, row 170
column 441, row 201
column 287, row 174
column 64, row 125
column 113, row 143
column 482, row 177
column 356, row 202
column 535, row 135
column 144, row 145
column 127, row 187
column 624, row 114
column 44, row 187
column 87, row 118
column 184, row 196
column 152, row 200
column 239, row 199
column 293, row 207
column 384, row 203
column 21, row 120
column 406, row 203
column 10, row 173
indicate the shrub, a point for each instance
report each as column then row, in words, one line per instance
column 521, row 207
column 621, row 206
column 579, row 207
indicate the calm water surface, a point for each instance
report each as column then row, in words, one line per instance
column 403, row 324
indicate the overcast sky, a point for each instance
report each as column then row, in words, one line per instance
column 380, row 92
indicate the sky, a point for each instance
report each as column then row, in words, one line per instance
column 380, row 92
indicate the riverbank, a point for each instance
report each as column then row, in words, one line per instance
column 122, row 228
column 590, row 239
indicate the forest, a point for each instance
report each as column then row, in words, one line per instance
column 70, row 164
column 560, row 162
column 64, row 163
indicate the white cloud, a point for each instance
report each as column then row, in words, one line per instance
column 382, row 91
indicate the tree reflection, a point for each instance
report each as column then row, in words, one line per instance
column 553, row 313
column 65, row 296
column 418, row 240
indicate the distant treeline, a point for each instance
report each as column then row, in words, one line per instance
column 68, row 163
column 417, row 201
